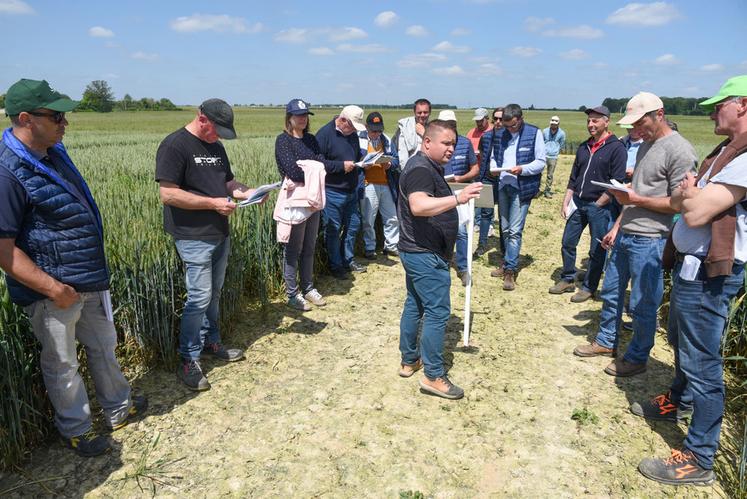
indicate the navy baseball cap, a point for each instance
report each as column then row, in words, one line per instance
column 297, row 106
column 603, row 110
column 375, row 122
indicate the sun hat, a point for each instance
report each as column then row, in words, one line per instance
column 220, row 113
column 298, row 106
column 734, row 87
column 640, row 104
column 355, row 115
column 27, row 95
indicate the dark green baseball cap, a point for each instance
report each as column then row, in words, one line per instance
column 27, row 95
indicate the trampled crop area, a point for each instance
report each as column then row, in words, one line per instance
column 317, row 408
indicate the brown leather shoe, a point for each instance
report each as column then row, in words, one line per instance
column 441, row 387
column 407, row 370
column 509, row 280
column 593, row 349
column 561, row 287
column 622, row 368
column 497, row 272
column 581, row 296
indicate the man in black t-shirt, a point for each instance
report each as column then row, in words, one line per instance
column 428, row 229
column 196, row 186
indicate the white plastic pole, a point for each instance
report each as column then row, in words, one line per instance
column 468, row 289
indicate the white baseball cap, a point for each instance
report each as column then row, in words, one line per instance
column 554, row 120
column 447, row 115
column 355, row 115
column 480, row 114
column 640, row 104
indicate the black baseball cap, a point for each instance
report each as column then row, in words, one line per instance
column 603, row 110
column 375, row 122
column 297, row 107
column 220, row 113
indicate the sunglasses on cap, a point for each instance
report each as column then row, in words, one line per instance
column 58, row 117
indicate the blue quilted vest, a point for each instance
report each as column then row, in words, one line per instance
column 497, row 141
column 459, row 162
column 62, row 234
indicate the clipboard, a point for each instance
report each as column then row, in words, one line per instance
column 486, row 194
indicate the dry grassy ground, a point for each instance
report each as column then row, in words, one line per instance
column 317, row 408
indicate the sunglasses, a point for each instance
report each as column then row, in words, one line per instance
column 58, row 117
column 496, row 118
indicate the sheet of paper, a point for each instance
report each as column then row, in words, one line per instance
column 690, row 267
column 259, row 193
column 106, row 302
column 570, row 209
column 369, row 159
column 614, row 185
column 501, row 169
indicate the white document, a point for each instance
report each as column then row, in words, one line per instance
column 690, row 267
column 464, row 211
column 374, row 158
column 570, row 209
column 501, row 169
column 259, row 194
column 614, row 185
column 106, row 302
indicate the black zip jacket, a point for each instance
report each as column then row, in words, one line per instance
column 607, row 162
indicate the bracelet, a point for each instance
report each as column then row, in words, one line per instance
column 457, row 199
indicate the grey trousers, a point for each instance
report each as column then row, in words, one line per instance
column 301, row 247
column 57, row 329
column 550, row 168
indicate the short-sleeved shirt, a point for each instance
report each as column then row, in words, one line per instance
column 198, row 167
column 436, row 234
column 697, row 240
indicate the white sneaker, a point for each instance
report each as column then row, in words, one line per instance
column 315, row 297
column 298, row 303
column 491, row 232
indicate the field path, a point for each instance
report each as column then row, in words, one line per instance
column 317, row 408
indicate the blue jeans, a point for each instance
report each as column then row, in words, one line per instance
column 587, row 213
column 428, row 282
column 341, row 212
column 205, row 265
column 513, row 213
column 379, row 199
column 698, row 312
column 461, row 248
column 636, row 259
column 485, row 220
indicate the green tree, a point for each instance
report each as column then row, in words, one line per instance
column 126, row 104
column 2, row 101
column 98, row 97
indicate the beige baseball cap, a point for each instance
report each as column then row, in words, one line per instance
column 447, row 115
column 355, row 115
column 640, row 104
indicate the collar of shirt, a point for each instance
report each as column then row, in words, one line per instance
column 596, row 145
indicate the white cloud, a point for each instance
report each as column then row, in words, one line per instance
column 144, row 56
column 220, row 23
column 666, row 60
column 644, row 14
column 386, row 19
column 321, row 51
column 449, row 71
column 535, row 24
column 292, row 35
column 460, row 32
column 584, row 32
column 15, row 7
column 712, row 67
column 416, row 30
column 99, row 32
column 449, row 47
column 337, row 35
column 525, row 51
column 490, row 68
column 420, row 60
column 371, row 48
column 574, row 55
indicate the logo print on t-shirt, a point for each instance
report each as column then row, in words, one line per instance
column 215, row 161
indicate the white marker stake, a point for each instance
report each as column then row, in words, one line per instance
column 468, row 290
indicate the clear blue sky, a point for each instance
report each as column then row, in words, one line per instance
column 463, row 52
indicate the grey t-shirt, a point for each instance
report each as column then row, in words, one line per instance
column 660, row 166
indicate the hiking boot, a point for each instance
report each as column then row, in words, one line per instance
column 391, row 252
column 315, row 297
column 190, row 373
column 593, row 349
column 340, row 274
column 370, row 255
column 622, row 368
column 660, row 408
column 298, row 302
column 581, row 275
column 509, row 280
column 219, row 351
column 137, row 408
column 463, row 275
column 479, row 251
column 627, row 325
column 581, row 296
column 441, row 387
column 357, row 267
column 680, row 469
column 497, row 272
column 562, row 287
column 407, row 370
column 89, row 444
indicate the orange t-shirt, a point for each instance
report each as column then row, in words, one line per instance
column 376, row 173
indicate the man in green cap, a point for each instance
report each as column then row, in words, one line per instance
column 52, row 252
column 708, row 250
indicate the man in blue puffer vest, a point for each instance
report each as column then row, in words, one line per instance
column 513, row 157
column 52, row 251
